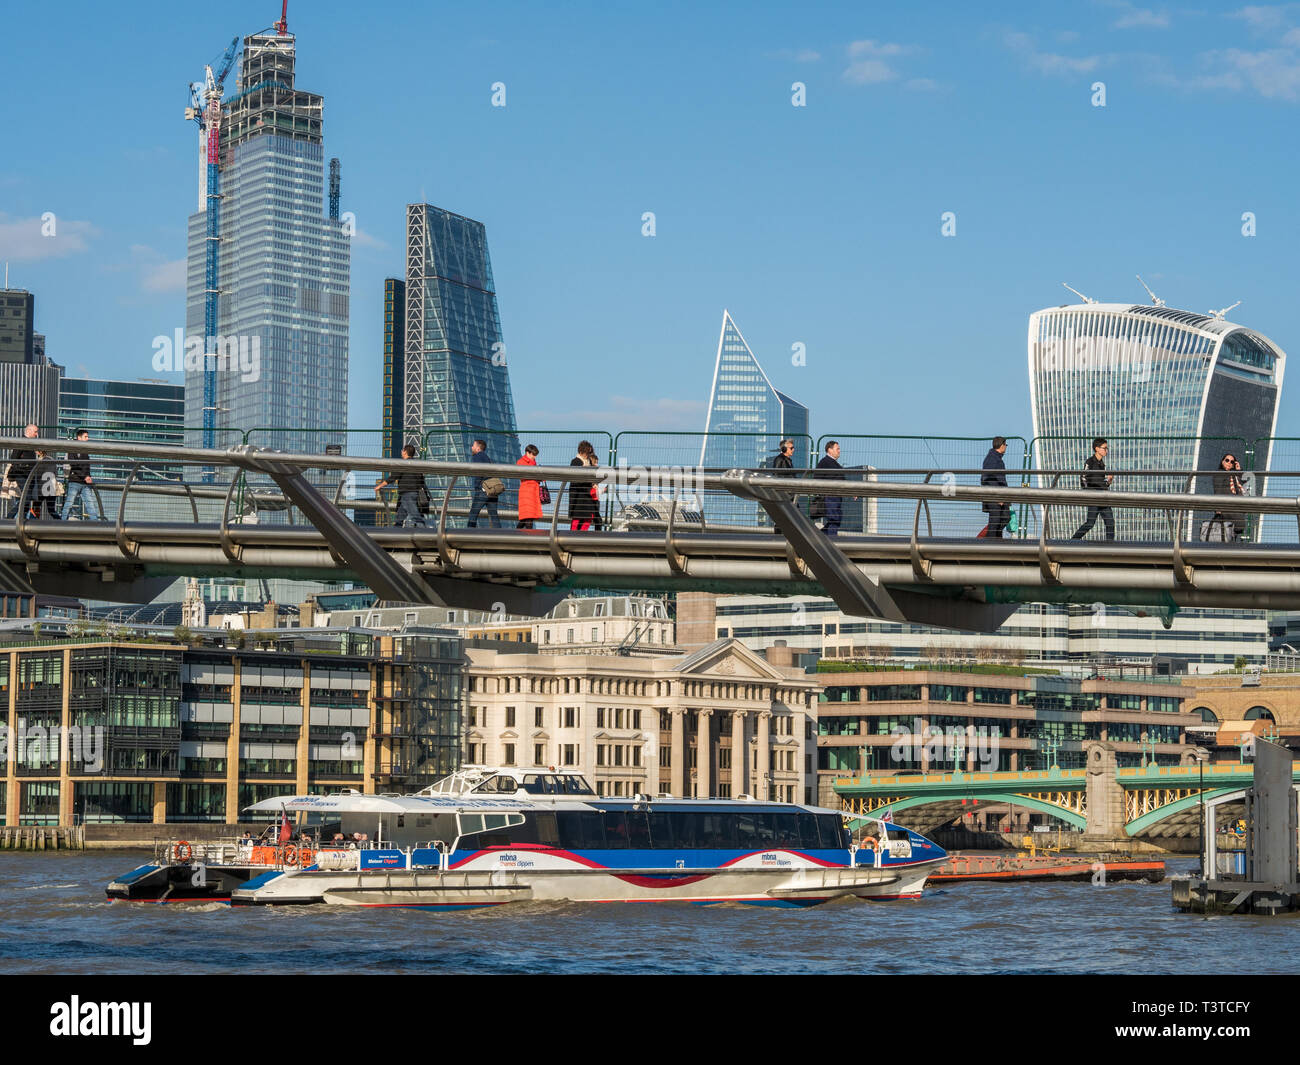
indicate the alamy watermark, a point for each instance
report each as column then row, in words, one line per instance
column 52, row 744
column 924, row 744
column 231, row 354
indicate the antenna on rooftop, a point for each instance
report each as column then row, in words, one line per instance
column 1081, row 296
column 1220, row 313
column 1154, row 298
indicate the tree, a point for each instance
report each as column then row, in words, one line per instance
column 1239, row 662
column 183, row 634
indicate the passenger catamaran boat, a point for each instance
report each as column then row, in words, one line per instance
column 488, row 836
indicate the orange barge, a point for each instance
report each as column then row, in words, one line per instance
column 1043, row 867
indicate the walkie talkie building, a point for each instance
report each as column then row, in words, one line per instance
column 1170, row 390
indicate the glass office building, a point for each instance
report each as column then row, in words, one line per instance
column 284, row 267
column 1169, row 389
column 456, row 385
column 747, row 419
column 148, row 412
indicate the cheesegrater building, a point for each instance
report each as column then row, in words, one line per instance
column 747, row 419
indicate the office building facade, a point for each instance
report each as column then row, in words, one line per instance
column 144, row 729
column 29, row 382
column 148, row 412
column 1037, row 634
column 394, row 366
column 1169, row 389
column 904, row 721
column 284, row 266
column 456, row 384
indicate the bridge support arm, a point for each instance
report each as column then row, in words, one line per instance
column 853, row 593
column 385, row 577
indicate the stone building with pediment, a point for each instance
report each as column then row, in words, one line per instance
column 721, row 722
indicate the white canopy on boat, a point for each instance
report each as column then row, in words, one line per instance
column 383, row 804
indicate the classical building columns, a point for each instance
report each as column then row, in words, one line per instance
column 703, row 756
column 763, row 776
column 678, row 753
column 739, row 753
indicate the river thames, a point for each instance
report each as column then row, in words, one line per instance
column 57, row 921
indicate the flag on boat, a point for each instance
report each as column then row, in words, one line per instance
column 888, row 815
column 285, row 831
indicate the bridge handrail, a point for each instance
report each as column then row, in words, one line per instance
column 627, row 476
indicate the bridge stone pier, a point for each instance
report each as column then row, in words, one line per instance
column 1105, row 797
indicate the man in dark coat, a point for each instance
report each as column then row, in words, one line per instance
column 1096, row 478
column 478, row 453
column 999, row 513
column 411, row 490
column 21, row 463
column 829, row 466
column 784, row 459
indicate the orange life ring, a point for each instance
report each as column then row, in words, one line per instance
column 289, row 854
column 869, row 843
column 183, row 852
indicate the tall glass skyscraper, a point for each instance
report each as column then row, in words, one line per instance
column 284, row 265
column 1169, row 389
column 455, row 382
column 746, row 421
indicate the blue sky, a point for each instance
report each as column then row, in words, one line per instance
column 817, row 225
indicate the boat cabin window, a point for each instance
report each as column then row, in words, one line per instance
column 555, row 784
column 659, row 830
column 498, row 785
column 897, row 833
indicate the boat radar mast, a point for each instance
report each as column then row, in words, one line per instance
column 1086, row 299
column 1156, row 300
column 1219, row 314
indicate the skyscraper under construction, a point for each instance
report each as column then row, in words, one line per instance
column 282, row 265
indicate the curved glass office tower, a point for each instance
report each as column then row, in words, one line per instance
column 1169, row 389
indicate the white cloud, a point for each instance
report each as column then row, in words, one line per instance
column 1265, row 18
column 1049, row 63
column 1274, row 74
column 26, row 239
column 1142, row 18
column 873, row 63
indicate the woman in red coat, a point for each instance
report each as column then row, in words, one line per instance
column 530, row 492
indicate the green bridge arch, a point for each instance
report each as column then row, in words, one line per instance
column 1148, row 820
column 1068, row 816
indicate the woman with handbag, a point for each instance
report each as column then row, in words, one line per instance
column 530, row 492
column 584, row 499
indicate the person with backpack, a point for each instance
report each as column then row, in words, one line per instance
column 486, row 490
column 530, row 492
column 1096, row 478
column 995, row 476
column 412, row 493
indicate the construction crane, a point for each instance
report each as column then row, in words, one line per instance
column 205, row 109
column 282, row 27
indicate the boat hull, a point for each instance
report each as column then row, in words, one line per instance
column 555, row 878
